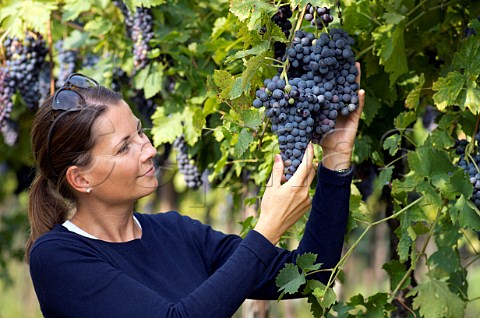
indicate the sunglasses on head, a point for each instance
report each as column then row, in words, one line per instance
column 67, row 97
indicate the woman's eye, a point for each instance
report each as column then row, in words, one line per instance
column 141, row 132
column 124, row 148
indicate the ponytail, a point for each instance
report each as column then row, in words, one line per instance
column 45, row 210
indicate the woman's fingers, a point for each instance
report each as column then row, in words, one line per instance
column 301, row 176
column 277, row 172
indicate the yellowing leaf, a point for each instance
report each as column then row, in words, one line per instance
column 411, row 102
column 447, row 90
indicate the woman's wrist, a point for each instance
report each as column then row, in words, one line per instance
column 266, row 231
column 336, row 160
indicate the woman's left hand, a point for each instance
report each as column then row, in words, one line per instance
column 337, row 147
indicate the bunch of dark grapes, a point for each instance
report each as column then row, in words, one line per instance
column 318, row 16
column 9, row 131
column 24, row 62
column 142, row 33
column 281, row 18
column 471, row 166
column 66, row 60
column 140, row 29
column 191, row 174
column 322, row 86
column 7, row 87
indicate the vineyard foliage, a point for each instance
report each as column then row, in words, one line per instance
column 420, row 62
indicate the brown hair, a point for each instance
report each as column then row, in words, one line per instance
column 51, row 197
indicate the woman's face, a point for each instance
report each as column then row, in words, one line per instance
column 121, row 167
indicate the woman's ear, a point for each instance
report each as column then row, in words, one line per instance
column 77, row 180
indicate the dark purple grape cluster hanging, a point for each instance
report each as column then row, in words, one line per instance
column 191, row 174
column 322, row 86
column 7, row 88
column 24, row 60
column 139, row 28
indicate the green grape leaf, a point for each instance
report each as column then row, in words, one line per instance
column 472, row 97
column 193, row 123
column 306, row 262
column 237, row 89
column 405, row 119
column 428, row 162
column 444, row 262
column 244, row 140
column 18, row 16
column 374, row 306
column 392, row 17
column 434, row 299
column 441, row 139
column 390, row 47
column 396, row 271
column 255, row 50
column 166, row 128
column 326, row 297
column 153, row 82
column 468, row 58
column 252, row 68
column 224, row 82
column 465, row 213
column 357, row 15
column 430, row 193
column 75, row 40
column 247, row 225
column 251, row 118
column 403, row 247
column 448, row 89
column 413, row 98
column 73, row 8
column 369, row 113
column 251, row 11
column 392, row 143
column 289, row 279
column 98, row 26
column 457, row 184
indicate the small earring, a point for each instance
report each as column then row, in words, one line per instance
column 89, row 190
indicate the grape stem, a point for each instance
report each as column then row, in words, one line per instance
column 343, row 260
column 413, row 264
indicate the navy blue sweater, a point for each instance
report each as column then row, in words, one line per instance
column 180, row 267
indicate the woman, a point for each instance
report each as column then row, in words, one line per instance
column 91, row 255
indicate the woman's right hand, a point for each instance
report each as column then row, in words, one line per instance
column 284, row 204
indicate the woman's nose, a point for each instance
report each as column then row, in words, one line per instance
column 148, row 151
